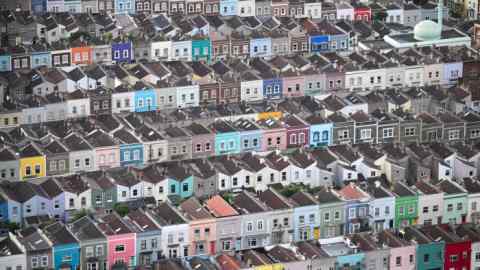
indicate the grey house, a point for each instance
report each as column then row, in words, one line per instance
column 204, row 177
column 9, row 165
column 179, row 143
column 281, row 226
column 38, row 248
column 255, row 218
column 93, row 243
column 80, row 153
column 57, row 158
column 104, row 191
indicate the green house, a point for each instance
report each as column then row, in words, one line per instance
column 429, row 252
column 406, row 205
column 201, row 49
column 332, row 214
column 454, row 202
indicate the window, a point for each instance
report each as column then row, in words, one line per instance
column 249, row 226
column 326, row 217
column 366, row 133
column 119, row 248
column 260, row 225
column 425, row 209
column 435, row 208
column 449, row 207
column 453, row 258
column 387, row 132
column 410, row 131
column 453, row 134
column 343, row 134
column 398, row 261
column 351, row 213
column 301, row 219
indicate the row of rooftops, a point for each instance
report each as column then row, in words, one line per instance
column 175, row 23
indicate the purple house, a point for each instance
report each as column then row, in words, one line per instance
column 122, row 51
column 203, row 140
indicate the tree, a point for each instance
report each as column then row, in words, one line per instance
column 121, row 209
column 80, row 214
column 380, row 16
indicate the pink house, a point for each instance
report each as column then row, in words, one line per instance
column 202, row 231
column 274, row 135
column 107, row 151
column 402, row 252
column 293, row 84
column 120, row 241
column 298, row 131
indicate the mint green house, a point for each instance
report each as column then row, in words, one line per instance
column 406, row 205
column 179, row 182
column 429, row 252
column 454, row 202
column 201, row 49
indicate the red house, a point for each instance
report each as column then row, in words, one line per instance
column 458, row 251
column 297, row 131
column 362, row 12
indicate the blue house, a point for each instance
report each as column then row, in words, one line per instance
column 272, row 88
column 260, row 46
column 39, row 6
column 319, row 43
column 131, row 149
column 66, row 249
column 145, row 100
column 227, row 138
column 122, row 52
column 349, row 258
column 124, row 6
column 41, row 59
column 5, row 61
column 3, row 209
column 228, row 7
column 306, row 219
column 180, row 182
column 357, row 208
column 250, row 135
column 320, row 131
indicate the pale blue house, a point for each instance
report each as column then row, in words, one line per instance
column 452, row 72
column 320, row 131
column 124, row 6
column 260, row 46
column 306, row 218
column 228, row 7
column 73, row 6
column 131, row 150
column 382, row 207
column 250, row 135
column 227, row 138
column 5, row 61
column 145, row 100
column 41, row 59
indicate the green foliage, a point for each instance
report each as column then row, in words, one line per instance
column 290, row 190
column 79, row 214
column 121, row 209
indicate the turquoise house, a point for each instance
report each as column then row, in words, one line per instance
column 201, row 49
column 131, row 149
column 180, row 182
column 454, row 202
column 306, row 219
column 429, row 253
column 41, row 59
column 320, row 131
column 145, row 100
column 227, row 138
column 350, row 260
column 66, row 249
column 5, row 61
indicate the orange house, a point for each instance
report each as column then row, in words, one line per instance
column 82, row 55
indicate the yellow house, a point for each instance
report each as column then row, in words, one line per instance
column 32, row 162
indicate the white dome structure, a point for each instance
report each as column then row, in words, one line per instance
column 427, row 31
